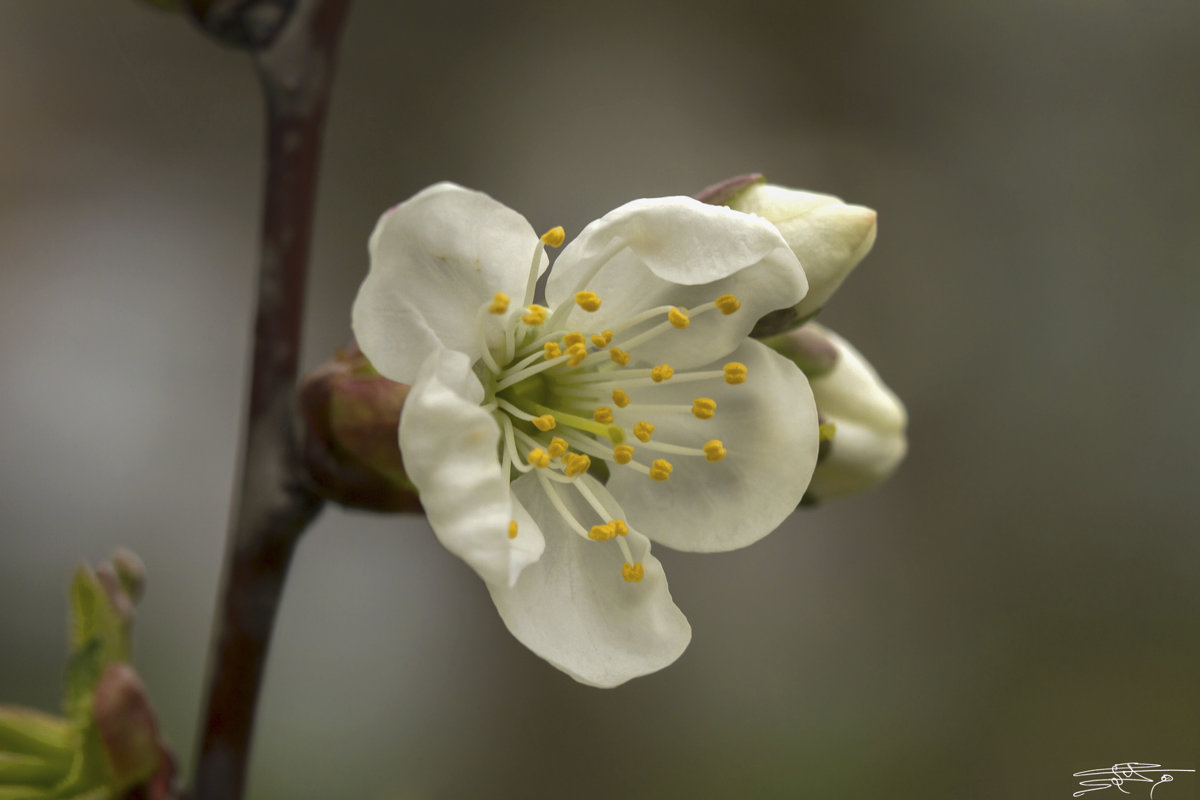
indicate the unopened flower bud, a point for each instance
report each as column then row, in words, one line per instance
column 866, row 420
column 130, row 571
column 123, row 579
column 828, row 236
column 350, row 447
column 126, row 726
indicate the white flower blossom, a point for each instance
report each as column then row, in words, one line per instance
column 552, row 443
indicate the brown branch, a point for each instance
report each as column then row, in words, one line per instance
column 274, row 503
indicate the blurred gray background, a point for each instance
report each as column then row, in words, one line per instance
column 1018, row 604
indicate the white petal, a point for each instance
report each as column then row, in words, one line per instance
column 575, row 610
column 778, row 203
column 769, row 428
column 680, row 252
column 854, row 390
column 859, row 458
column 829, row 243
column 449, row 446
column 527, row 546
column 829, row 237
column 870, row 440
column 435, row 259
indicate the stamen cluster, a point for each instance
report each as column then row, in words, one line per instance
column 548, row 390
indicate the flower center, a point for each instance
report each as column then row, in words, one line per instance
column 569, row 402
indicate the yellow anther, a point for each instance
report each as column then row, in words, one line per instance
column 607, row 334
column 598, row 341
column 552, row 350
column 577, row 353
column 826, row 432
column 633, row 572
column 704, row 407
column 499, row 303
column 555, row 236
column 572, row 338
column 557, row 447
column 588, row 301
column 539, row 458
column 545, row 422
column 728, row 303
column 660, row 469
column 735, row 372
column 643, row 429
column 603, row 415
column 534, row 315
column 618, row 355
column 679, row 317
column 575, row 464
column 661, row 373
column 602, row 533
column 512, row 529
column 620, row 527
column 714, row 450
column 620, row 399
column 623, row 454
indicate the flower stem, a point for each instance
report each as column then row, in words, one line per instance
column 274, row 503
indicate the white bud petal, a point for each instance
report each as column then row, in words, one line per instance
column 829, row 237
column 870, row 441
